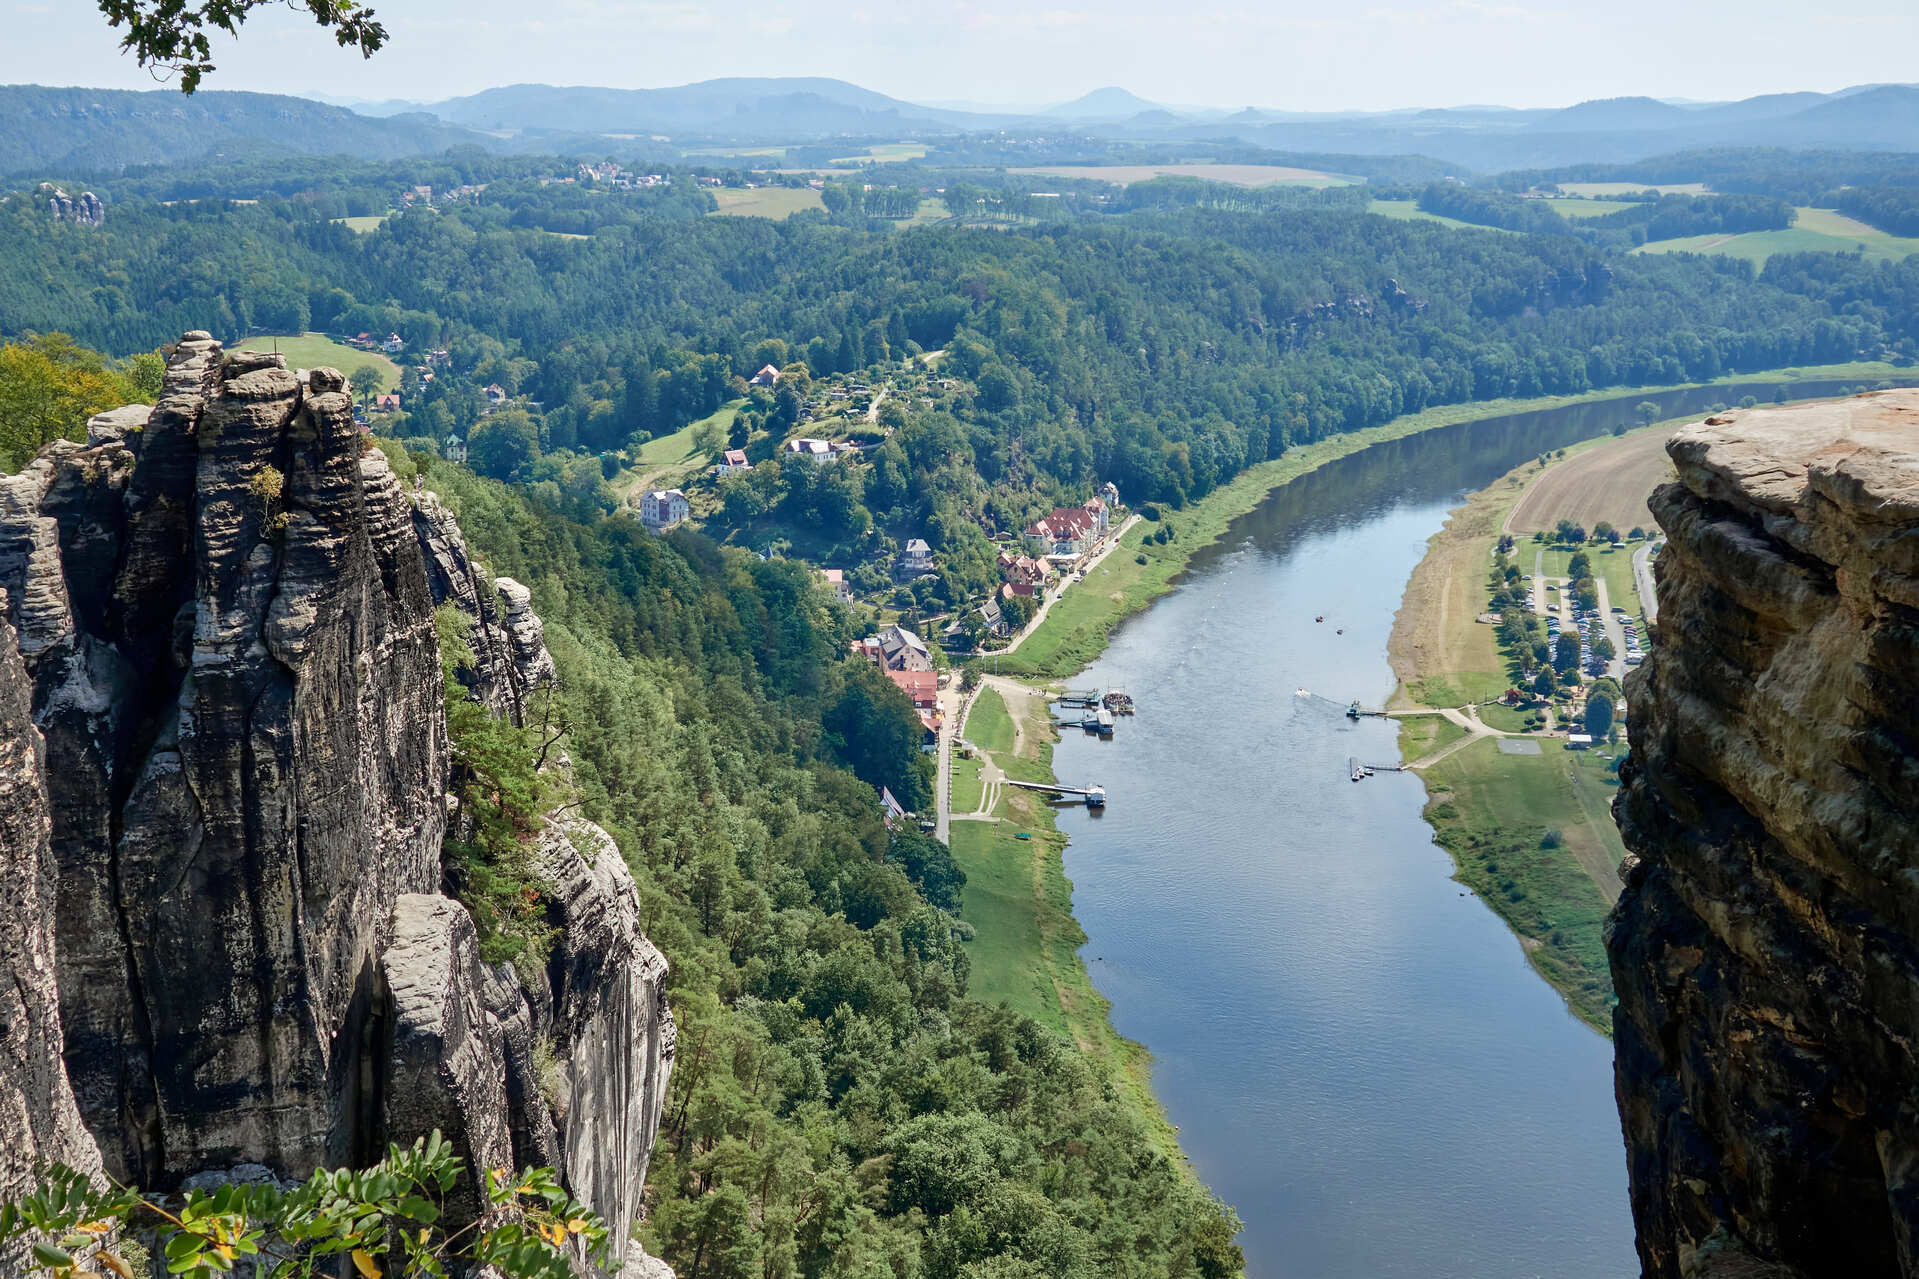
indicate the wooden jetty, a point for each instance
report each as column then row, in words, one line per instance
column 1093, row 796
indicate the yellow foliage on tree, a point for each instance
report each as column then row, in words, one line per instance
column 50, row 385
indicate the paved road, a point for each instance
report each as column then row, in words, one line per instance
column 1046, row 606
column 1613, row 631
column 1642, row 580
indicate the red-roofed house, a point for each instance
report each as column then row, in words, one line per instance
column 836, row 579
column 922, row 686
column 732, row 462
column 388, row 403
column 766, row 376
column 1067, row 531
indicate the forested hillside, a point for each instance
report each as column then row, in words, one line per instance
column 43, row 127
column 839, row 1107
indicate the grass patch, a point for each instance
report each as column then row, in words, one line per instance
column 1603, row 189
column 1816, row 231
column 670, row 457
column 1507, row 719
column 766, row 202
column 989, row 727
column 885, row 153
column 1025, row 945
column 966, row 785
column 316, row 351
column 1495, row 819
column 1421, row 735
column 364, row 224
column 1588, row 208
column 1409, row 211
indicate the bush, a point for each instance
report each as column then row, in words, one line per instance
column 1551, row 838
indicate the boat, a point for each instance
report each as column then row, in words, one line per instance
column 1118, row 701
column 1352, row 710
column 1320, row 618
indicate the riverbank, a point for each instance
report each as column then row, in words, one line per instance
column 1026, row 941
column 1530, row 833
column 1075, row 630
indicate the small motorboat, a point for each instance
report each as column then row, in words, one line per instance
column 1340, row 631
column 1320, row 618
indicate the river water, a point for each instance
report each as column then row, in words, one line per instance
column 1358, row 1056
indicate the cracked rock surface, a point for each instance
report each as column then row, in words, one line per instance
column 1766, row 947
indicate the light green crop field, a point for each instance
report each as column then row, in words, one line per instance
column 314, row 351
column 766, row 202
column 1601, row 190
column 1409, row 211
column 886, row 153
column 363, row 224
column 1245, row 175
column 1816, row 231
column 1587, row 208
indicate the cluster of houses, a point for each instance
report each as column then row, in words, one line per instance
column 392, row 344
column 903, row 657
column 1068, row 532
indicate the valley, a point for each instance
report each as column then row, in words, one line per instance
column 531, row 609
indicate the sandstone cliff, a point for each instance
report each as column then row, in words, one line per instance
column 1766, row 948
column 225, row 609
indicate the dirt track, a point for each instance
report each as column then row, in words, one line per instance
column 1609, row 482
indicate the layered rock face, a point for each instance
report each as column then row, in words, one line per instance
column 225, row 616
column 1766, row 947
column 37, row 1114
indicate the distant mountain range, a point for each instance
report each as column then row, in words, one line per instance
column 46, row 129
column 70, row 129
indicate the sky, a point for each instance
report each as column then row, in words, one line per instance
column 1282, row 54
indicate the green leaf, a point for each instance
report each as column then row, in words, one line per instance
column 48, row 1255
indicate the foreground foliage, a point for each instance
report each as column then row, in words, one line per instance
column 389, row 1219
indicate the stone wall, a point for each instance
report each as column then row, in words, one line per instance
column 1766, row 947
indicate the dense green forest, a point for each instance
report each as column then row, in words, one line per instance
column 1165, row 342
column 838, row 1107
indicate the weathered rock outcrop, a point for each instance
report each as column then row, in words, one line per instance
column 37, row 1115
column 1766, row 948
column 225, row 609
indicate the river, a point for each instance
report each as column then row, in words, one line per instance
column 1357, row 1054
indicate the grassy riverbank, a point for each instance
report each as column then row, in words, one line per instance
column 1076, row 629
column 1025, row 945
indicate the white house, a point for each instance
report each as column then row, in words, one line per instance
column 916, row 558
column 454, row 450
column 767, row 376
column 836, row 579
column 732, row 462
column 394, row 344
column 663, row 508
column 814, row 450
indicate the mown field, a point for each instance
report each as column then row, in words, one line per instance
column 1815, row 231
column 1409, row 210
column 765, row 202
column 1579, row 208
column 1245, row 175
column 1600, row 190
column 886, row 153
column 315, row 351
column 1609, row 481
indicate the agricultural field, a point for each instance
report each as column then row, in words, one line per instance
column 314, row 351
column 886, row 153
column 1409, row 211
column 362, row 224
column 1578, row 208
column 1815, row 231
column 1600, row 190
column 766, row 202
column 1245, row 175
column 1609, row 481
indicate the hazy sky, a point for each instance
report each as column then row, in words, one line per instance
column 1288, row 54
